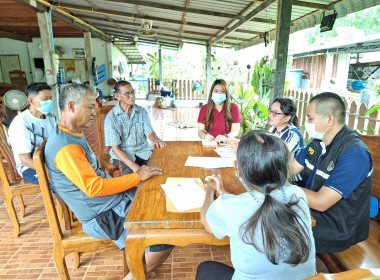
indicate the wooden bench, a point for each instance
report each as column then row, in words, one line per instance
column 365, row 254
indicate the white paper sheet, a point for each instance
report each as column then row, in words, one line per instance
column 185, row 195
column 209, row 143
column 225, row 152
column 210, row 162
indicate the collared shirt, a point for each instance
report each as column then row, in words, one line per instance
column 128, row 131
column 219, row 124
column 290, row 137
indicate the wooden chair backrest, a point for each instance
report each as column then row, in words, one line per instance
column 373, row 143
column 39, row 162
column 99, row 130
column 18, row 77
column 7, row 154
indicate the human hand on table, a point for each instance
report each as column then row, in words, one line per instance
column 221, row 138
column 208, row 138
column 215, row 182
column 158, row 143
column 145, row 172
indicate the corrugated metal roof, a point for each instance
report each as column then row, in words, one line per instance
column 204, row 20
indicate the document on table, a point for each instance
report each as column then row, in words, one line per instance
column 225, row 152
column 185, row 195
column 209, row 143
column 210, row 162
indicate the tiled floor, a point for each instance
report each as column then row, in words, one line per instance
column 30, row 255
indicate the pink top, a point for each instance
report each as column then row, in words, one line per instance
column 219, row 125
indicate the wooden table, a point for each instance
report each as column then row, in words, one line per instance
column 148, row 221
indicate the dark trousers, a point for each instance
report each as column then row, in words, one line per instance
column 124, row 169
column 211, row 270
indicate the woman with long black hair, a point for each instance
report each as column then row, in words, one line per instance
column 269, row 225
column 219, row 119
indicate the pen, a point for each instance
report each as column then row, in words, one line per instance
column 221, row 182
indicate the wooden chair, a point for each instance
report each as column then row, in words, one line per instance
column 365, row 254
column 15, row 186
column 18, row 77
column 72, row 239
column 356, row 274
column 104, row 158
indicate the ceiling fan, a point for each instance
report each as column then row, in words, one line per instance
column 146, row 29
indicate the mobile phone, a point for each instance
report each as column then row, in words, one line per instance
column 223, row 143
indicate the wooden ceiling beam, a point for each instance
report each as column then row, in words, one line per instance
column 248, row 17
column 15, row 36
column 175, row 8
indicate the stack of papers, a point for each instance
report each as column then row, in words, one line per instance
column 209, row 143
column 225, row 153
column 210, row 162
column 185, row 195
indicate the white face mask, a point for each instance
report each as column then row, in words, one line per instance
column 313, row 133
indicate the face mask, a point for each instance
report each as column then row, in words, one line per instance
column 46, row 106
column 310, row 129
column 218, row 98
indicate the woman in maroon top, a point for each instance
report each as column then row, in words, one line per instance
column 219, row 119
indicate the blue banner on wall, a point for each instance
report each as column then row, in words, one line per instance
column 100, row 74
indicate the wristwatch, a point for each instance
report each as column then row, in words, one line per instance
column 226, row 135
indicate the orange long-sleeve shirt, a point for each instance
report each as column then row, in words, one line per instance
column 72, row 162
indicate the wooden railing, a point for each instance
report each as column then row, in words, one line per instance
column 181, row 88
column 355, row 118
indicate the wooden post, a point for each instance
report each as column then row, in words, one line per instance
column 47, row 53
column 208, row 68
column 88, row 48
column 281, row 47
column 160, row 64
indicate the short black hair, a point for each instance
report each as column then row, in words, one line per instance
column 35, row 88
column 120, row 84
column 329, row 103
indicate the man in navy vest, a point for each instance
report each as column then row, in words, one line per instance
column 337, row 176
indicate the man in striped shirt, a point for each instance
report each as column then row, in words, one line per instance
column 127, row 129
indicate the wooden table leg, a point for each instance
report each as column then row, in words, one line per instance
column 134, row 250
column 139, row 239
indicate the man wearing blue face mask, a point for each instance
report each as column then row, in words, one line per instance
column 30, row 128
column 337, row 176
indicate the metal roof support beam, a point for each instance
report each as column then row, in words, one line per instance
column 248, row 17
column 65, row 17
column 281, row 48
column 177, row 8
column 133, row 16
column 313, row 5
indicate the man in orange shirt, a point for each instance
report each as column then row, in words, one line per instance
column 99, row 201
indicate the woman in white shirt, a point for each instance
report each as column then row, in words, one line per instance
column 269, row 225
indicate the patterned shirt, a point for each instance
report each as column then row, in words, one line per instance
column 293, row 140
column 129, row 132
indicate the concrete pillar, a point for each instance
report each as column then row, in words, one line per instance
column 47, row 52
column 160, row 65
column 109, row 60
column 208, row 68
column 281, row 48
column 88, row 49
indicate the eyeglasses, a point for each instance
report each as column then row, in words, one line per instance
column 128, row 93
column 274, row 113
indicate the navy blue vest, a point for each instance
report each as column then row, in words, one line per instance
column 346, row 222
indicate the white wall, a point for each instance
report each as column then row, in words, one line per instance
column 28, row 51
column 20, row 48
column 117, row 57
